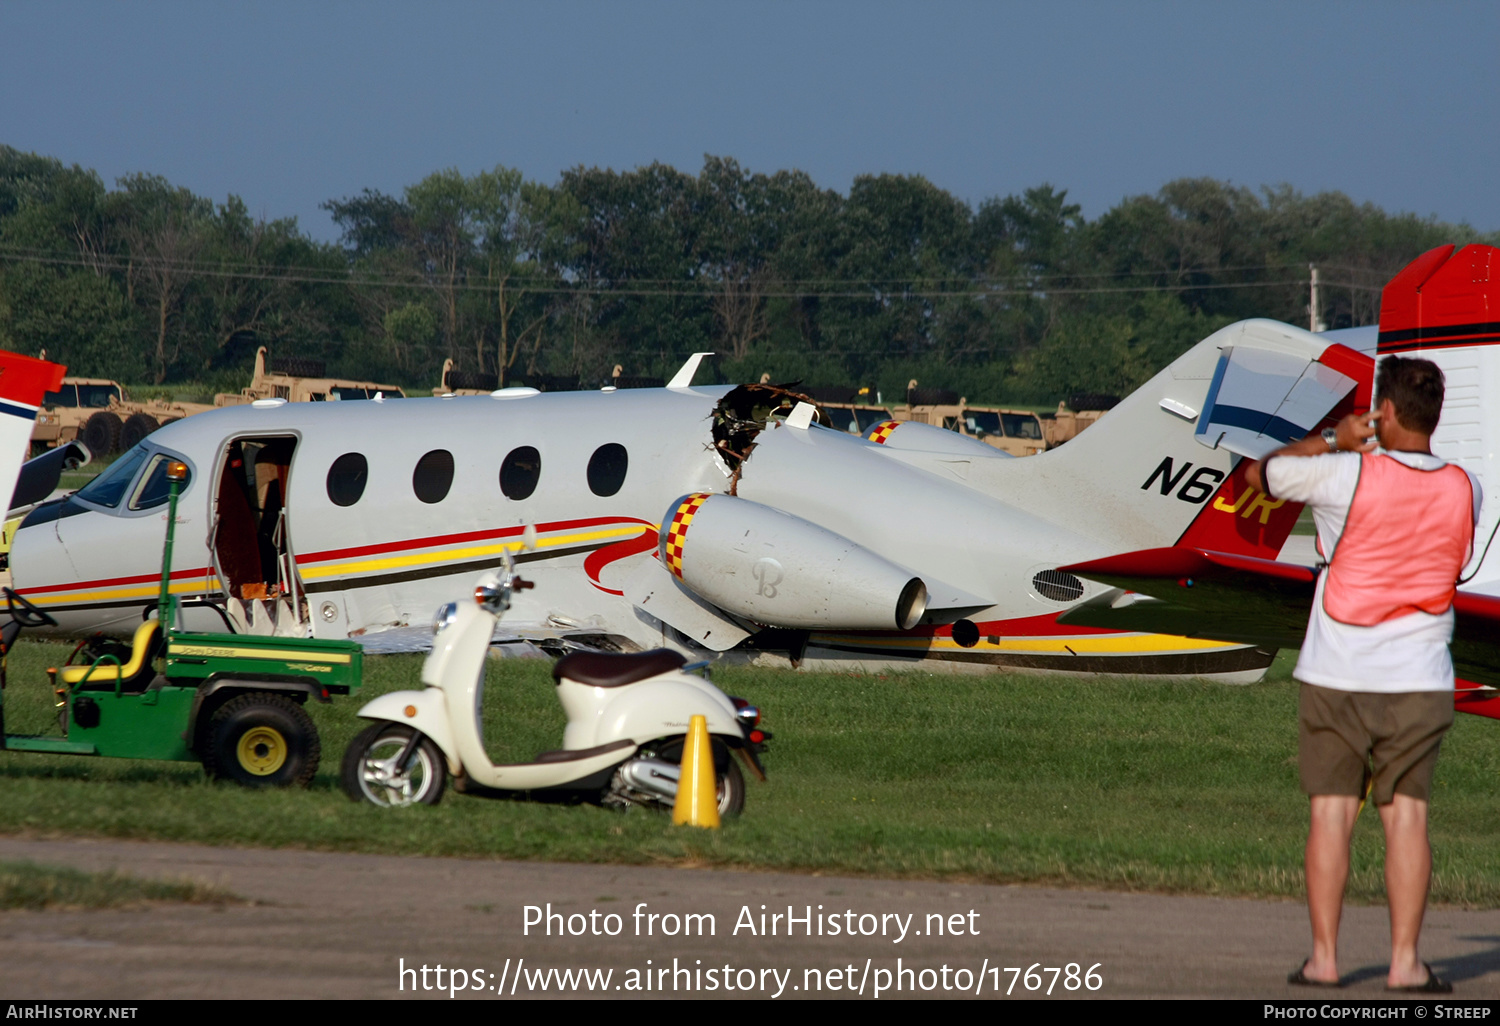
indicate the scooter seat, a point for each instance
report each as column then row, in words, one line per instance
column 613, row 670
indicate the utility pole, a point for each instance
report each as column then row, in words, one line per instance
column 1313, row 324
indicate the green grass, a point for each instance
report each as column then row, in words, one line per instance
column 31, row 886
column 1305, row 525
column 1137, row 785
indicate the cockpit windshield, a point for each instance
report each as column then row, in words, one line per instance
column 97, row 396
column 842, row 419
column 154, row 485
column 1022, row 425
column 90, row 396
column 346, row 392
column 109, row 487
column 982, row 423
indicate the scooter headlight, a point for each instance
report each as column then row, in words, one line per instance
column 445, row 617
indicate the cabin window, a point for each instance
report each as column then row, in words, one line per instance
column 433, row 476
column 520, row 472
column 154, row 485
column 607, row 469
column 109, row 487
column 346, row 479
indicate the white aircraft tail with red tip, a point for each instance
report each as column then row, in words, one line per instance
column 1445, row 307
column 1164, row 467
column 24, row 382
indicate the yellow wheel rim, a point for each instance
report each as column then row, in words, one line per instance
column 262, row 751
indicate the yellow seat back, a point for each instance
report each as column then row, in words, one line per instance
column 140, row 647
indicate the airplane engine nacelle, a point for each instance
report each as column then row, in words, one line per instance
column 908, row 434
column 780, row 570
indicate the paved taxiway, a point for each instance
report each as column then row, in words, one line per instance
column 330, row 925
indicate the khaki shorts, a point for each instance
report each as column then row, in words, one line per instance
column 1347, row 737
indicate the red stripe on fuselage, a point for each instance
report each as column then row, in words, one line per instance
column 461, row 539
column 114, row 582
column 354, row 552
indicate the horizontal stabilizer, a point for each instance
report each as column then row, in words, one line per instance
column 1476, row 641
column 1200, row 593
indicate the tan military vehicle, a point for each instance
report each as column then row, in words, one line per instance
column 300, row 380
column 1074, row 414
column 98, row 413
column 854, row 410
column 458, row 382
column 1018, row 432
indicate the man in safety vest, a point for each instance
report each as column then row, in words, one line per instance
column 1396, row 525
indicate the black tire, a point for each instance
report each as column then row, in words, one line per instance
column 730, row 780
column 262, row 740
column 101, row 433
column 299, row 367
column 137, row 427
column 1080, row 401
column 422, row 784
column 471, row 381
column 837, row 394
column 552, row 382
column 931, row 397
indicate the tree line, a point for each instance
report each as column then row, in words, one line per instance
column 1019, row 298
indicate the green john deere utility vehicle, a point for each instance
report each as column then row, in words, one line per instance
column 233, row 702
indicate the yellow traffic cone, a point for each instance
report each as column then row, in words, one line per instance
column 697, row 788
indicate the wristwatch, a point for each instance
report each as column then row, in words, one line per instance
column 1331, row 436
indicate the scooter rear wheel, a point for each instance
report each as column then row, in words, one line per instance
column 369, row 773
column 730, row 781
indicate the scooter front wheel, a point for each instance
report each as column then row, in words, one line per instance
column 370, row 774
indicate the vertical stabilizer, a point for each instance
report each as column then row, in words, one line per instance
column 24, row 382
column 1445, row 307
column 1162, row 467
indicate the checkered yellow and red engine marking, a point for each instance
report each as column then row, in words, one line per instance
column 682, row 516
column 883, row 431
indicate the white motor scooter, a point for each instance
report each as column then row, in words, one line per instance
column 627, row 716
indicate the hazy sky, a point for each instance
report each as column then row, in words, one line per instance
column 291, row 104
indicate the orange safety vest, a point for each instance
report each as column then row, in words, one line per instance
column 1405, row 541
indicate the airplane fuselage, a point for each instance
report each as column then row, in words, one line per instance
column 353, row 519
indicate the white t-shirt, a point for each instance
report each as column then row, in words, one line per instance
column 1409, row 653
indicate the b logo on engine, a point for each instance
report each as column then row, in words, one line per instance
column 768, row 574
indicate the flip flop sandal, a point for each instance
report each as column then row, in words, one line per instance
column 1300, row 979
column 1432, row 985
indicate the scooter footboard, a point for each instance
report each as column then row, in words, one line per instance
column 426, row 711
